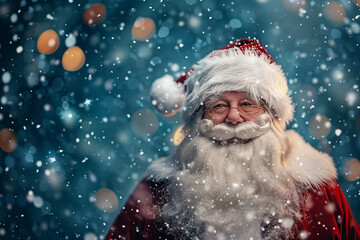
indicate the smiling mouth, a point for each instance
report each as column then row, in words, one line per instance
column 235, row 141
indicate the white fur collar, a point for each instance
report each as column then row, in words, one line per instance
column 305, row 164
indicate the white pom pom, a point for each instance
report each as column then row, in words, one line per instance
column 167, row 95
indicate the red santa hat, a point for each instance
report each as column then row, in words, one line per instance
column 241, row 66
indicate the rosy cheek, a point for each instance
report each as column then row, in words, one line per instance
column 217, row 121
column 250, row 118
column 206, row 116
column 214, row 120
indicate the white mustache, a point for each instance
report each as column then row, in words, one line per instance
column 246, row 130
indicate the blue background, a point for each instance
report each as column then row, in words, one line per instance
column 319, row 55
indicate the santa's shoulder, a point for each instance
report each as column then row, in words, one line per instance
column 305, row 164
column 161, row 169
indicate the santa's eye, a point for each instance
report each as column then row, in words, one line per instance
column 220, row 105
column 246, row 104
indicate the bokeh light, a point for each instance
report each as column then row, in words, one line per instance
column 70, row 41
column 178, row 135
column 48, row 42
column 194, row 22
column 334, row 12
column 144, row 122
column 351, row 169
column 8, row 140
column 6, row 77
column 351, row 98
column 90, row 236
column 294, row 5
column 324, row 146
column 143, row 28
column 106, row 200
column 319, row 126
column 73, row 59
column 94, row 14
column 54, row 177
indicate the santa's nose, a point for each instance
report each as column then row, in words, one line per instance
column 234, row 116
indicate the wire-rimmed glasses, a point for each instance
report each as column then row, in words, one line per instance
column 244, row 109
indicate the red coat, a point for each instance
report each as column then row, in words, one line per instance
column 326, row 215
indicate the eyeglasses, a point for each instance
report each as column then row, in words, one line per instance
column 245, row 109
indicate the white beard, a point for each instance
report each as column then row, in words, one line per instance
column 234, row 191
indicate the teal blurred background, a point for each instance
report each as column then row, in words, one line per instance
column 85, row 138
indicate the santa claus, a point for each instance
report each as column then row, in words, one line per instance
column 238, row 174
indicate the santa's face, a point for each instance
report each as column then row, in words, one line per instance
column 232, row 108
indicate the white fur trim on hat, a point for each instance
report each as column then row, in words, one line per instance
column 167, row 95
column 233, row 70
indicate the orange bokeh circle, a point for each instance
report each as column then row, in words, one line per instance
column 8, row 140
column 143, row 28
column 73, row 59
column 48, row 42
column 94, row 14
column 334, row 12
